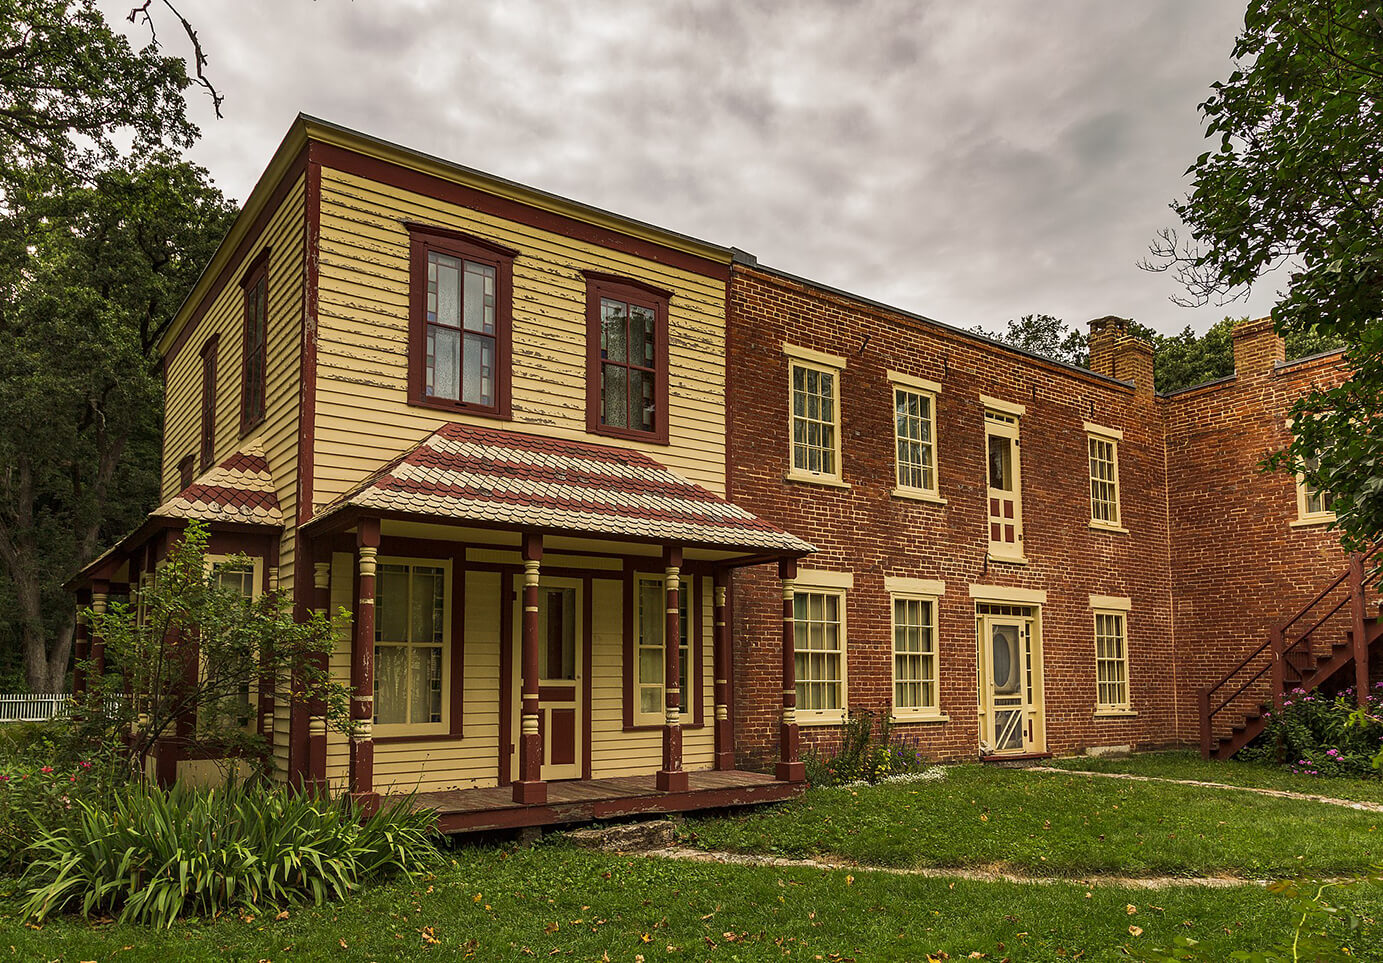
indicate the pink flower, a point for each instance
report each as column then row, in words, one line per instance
column 46, row 769
column 84, row 765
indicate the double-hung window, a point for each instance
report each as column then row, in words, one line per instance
column 651, row 656
column 412, row 642
column 255, row 343
column 1111, row 655
column 819, row 649
column 914, row 437
column 207, row 449
column 915, row 671
column 459, row 332
column 627, row 358
column 1102, row 446
column 813, row 415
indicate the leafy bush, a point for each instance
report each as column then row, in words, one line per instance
column 153, row 855
column 1315, row 734
column 865, row 756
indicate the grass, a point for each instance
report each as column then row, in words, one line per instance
column 1059, row 825
column 571, row 904
column 1255, row 775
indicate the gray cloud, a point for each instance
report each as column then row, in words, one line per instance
column 973, row 162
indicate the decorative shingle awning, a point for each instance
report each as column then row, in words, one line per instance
column 238, row 490
column 507, row 479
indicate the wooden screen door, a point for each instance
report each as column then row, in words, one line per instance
column 561, row 692
column 1006, row 684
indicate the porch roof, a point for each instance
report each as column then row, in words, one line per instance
column 508, row 479
column 239, row 489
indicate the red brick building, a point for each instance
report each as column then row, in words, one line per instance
column 1015, row 556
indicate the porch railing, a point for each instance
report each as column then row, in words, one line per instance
column 34, row 707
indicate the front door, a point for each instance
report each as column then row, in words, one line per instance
column 1007, row 695
column 561, row 645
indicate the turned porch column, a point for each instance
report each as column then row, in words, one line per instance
column 672, row 777
column 363, row 663
column 317, row 707
column 100, row 593
column 529, row 788
column 80, row 648
column 790, row 768
column 724, row 732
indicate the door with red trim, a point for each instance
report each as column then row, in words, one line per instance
column 561, row 689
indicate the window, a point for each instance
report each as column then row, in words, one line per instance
column 819, row 645
column 208, row 448
column 914, row 656
column 1103, row 449
column 459, row 335
column 1314, row 503
column 255, row 343
column 627, row 358
column 650, row 657
column 411, row 631
column 187, row 471
column 914, row 431
column 1111, row 662
column 814, row 415
column 1005, row 495
column 241, row 577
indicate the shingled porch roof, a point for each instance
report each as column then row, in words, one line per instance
column 496, row 478
column 239, row 490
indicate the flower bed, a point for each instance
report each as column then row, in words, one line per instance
column 1317, row 734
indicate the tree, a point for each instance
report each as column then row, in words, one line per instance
column 1044, row 335
column 89, row 277
column 189, row 650
column 1294, row 180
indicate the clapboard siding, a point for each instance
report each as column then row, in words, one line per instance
column 363, row 418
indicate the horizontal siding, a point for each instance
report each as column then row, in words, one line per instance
column 363, row 418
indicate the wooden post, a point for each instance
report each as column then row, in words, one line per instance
column 317, row 708
column 1357, row 629
column 1279, row 667
column 790, row 768
column 724, row 731
column 80, row 648
column 1203, row 708
column 672, row 777
column 100, row 592
column 363, row 665
column 529, row 788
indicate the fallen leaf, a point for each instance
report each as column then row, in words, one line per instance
column 1135, row 931
column 429, row 936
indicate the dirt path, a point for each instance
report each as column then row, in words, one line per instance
column 1368, row 807
column 980, row 874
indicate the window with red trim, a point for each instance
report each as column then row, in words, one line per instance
column 627, row 351
column 459, row 351
column 186, row 470
column 208, row 447
column 256, row 343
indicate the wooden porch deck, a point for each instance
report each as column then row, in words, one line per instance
column 584, row 800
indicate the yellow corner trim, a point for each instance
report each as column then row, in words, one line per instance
column 1004, row 407
column 1114, row 603
column 911, row 381
column 831, row 481
column 900, row 585
column 821, row 578
column 1104, row 432
column 919, row 495
column 812, row 356
column 1006, row 593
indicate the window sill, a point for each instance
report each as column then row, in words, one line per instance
column 1104, row 527
column 829, row 481
column 457, row 408
column 1008, row 559
column 1311, row 521
column 919, row 495
column 1116, row 713
column 907, row 717
column 629, row 434
column 832, row 718
column 437, row 736
column 658, row 727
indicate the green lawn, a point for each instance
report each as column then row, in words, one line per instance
column 571, row 904
column 1060, row 825
column 1257, row 775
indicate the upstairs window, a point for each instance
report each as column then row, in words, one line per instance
column 914, row 437
column 459, row 335
column 1102, row 446
column 256, row 343
column 627, row 358
column 208, row 446
column 187, row 471
column 814, row 415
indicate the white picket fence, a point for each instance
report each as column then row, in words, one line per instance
column 32, row 707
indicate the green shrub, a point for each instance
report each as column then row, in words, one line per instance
column 152, row 855
column 1315, row 734
column 865, row 756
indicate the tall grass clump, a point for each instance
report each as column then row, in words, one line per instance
column 152, row 855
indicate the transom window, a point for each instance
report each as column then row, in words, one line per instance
column 626, row 393
column 913, row 426
column 815, row 442
column 650, row 657
column 1111, row 661
column 410, row 645
column 1104, row 481
column 914, row 655
column 255, row 343
column 819, row 641
column 459, row 333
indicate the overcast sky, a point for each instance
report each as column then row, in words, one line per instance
column 970, row 161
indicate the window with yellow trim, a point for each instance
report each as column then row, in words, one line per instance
column 819, row 645
column 1314, row 503
column 1111, row 661
column 914, row 656
column 650, row 658
column 814, row 403
column 914, row 432
column 1104, row 481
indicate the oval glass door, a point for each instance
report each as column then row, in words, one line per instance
column 1007, row 667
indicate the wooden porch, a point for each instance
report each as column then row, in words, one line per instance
column 584, row 800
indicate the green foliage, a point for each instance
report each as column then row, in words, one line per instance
column 189, row 649
column 1047, row 336
column 1315, row 734
column 865, row 756
column 153, row 855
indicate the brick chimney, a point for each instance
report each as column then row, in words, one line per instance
column 1257, row 348
column 1104, row 332
column 1116, row 353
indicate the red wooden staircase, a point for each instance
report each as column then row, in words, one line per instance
column 1299, row 654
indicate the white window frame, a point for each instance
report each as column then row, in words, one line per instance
column 1005, row 420
column 443, row 727
column 685, row 655
column 1105, row 607
column 808, row 359
column 834, row 584
column 915, row 590
column 1112, row 437
column 921, row 387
